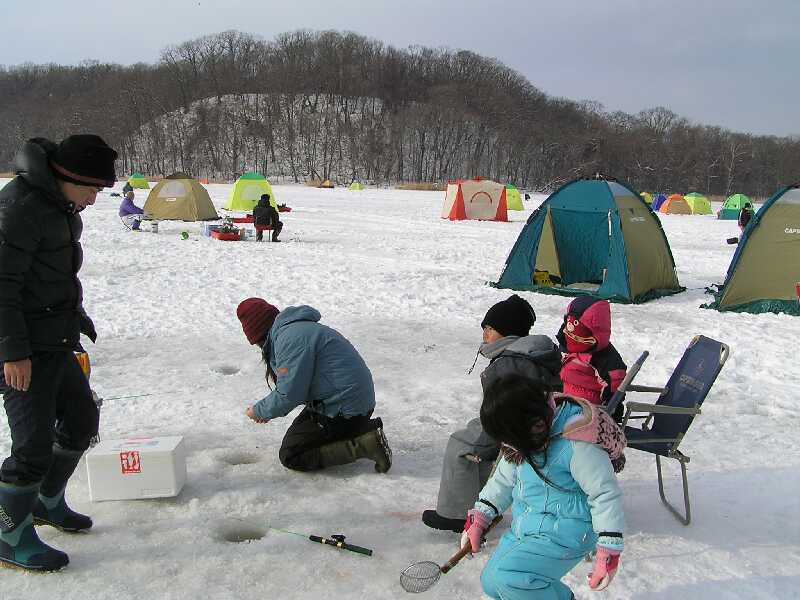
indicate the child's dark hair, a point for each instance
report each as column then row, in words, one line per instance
column 515, row 412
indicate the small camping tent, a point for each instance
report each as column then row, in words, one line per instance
column 698, row 203
column 481, row 199
column 247, row 190
column 732, row 205
column 593, row 236
column 180, row 198
column 647, row 197
column 355, row 187
column 513, row 198
column 765, row 270
column 138, row 181
column 675, row 204
column 658, row 201
column 326, row 184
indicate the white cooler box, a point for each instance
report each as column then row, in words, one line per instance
column 135, row 468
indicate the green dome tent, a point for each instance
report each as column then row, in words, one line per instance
column 180, row 198
column 513, row 198
column 732, row 205
column 355, row 187
column 765, row 270
column 247, row 190
column 597, row 237
column 138, row 181
column 698, row 203
column 647, row 197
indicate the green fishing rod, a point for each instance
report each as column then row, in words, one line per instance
column 337, row 541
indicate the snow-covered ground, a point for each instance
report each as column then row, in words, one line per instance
column 409, row 290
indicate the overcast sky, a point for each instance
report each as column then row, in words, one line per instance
column 732, row 63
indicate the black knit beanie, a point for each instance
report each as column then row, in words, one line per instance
column 512, row 316
column 84, row 160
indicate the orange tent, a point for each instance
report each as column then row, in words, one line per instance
column 480, row 199
column 675, row 204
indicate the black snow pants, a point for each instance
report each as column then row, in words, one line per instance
column 57, row 408
column 309, row 431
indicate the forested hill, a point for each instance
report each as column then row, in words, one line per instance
column 317, row 105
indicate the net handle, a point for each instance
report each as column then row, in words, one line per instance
column 454, row 560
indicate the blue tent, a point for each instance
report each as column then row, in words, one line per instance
column 593, row 236
column 658, row 201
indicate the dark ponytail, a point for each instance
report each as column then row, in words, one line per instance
column 515, row 412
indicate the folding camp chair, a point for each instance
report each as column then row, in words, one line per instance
column 667, row 421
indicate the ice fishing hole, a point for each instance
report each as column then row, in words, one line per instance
column 237, row 533
column 240, row 458
column 226, row 370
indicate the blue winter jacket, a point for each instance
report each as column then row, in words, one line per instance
column 316, row 366
column 588, row 502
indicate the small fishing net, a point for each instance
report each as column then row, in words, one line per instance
column 420, row 576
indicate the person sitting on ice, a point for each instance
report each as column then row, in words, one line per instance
column 592, row 368
column 265, row 214
column 312, row 365
column 130, row 214
column 745, row 214
column 470, row 452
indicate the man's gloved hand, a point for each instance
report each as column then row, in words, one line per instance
column 474, row 526
column 605, row 567
column 87, row 327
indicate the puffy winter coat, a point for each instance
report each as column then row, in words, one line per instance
column 316, row 366
column 595, row 374
column 265, row 211
column 534, row 356
column 584, row 500
column 127, row 207
column 41, row 305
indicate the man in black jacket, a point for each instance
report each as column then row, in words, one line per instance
column 265, row 213
column 50, row 410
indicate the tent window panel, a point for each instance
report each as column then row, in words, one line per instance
column 172, row 189
column 583, row 245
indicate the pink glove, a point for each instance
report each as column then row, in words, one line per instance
column 474, row 526
column 605, row 567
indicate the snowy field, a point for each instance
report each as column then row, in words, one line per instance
column 409, row 290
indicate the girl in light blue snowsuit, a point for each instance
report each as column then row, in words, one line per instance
column 563, row 494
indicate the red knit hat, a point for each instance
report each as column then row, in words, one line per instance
column 257, row 316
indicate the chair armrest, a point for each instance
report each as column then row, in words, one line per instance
column 661, row 409
column 644, row 388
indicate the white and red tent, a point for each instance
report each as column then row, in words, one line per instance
column 480, row 199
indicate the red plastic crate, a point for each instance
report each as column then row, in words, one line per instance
column 225, row 236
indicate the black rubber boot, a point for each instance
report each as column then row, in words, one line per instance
column 371, row 444
column 436, row 521
column 19, row 544
column 277, row 231
column 51, row 508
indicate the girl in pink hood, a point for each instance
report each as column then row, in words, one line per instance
column 591, row 368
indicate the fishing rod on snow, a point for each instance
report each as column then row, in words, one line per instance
column 336, row 541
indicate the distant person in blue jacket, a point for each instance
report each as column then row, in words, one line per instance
column 312, row 365
column 564, row 496
column 130, row 213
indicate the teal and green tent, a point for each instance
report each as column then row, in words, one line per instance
column 593, row 236
column 513, row 198
column 698, row 203
column 764, row 273
column 247, row 190
column 138, row 181
column 732, row 205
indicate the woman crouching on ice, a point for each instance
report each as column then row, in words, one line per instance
column 564, row 497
